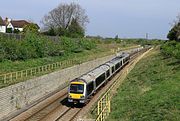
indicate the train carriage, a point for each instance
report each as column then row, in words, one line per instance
column 82, row 88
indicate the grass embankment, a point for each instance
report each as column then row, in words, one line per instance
column 151, row 92
column 101, row 50
column 37, row 50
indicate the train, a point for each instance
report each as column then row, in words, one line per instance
column 82, row 88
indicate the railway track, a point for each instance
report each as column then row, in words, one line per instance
column 57, row 108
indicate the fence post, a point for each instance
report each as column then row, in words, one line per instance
column 26, row 73
column 4, row 78
column 11, row 78
column 98, row 107
column 16, row 76
column 109, row 106
column 102, row 108
column 31, row 72
column 21, row 74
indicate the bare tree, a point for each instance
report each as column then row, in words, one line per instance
column 62, row 16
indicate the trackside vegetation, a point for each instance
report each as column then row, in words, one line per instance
column 38, row 46
column 171, row 49
column 35, row 50
column 151, row 90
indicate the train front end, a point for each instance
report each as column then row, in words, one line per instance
column 76, row 92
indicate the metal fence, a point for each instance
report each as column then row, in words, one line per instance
column 13, row 77
column 104, row 104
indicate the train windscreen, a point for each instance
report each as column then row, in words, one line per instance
column 77, row 88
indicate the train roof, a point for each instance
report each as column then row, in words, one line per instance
column 92, row 75
column 98, row 71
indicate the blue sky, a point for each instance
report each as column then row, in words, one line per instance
column 127, row 18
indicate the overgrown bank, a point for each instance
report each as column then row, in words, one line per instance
column 101, row 49
column 36, row 50
column 150, row 92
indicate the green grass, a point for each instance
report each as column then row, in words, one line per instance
column 100, row 51
column 151, row 92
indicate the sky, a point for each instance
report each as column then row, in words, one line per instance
column 108, row 18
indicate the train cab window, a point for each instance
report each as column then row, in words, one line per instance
column 100, row 79
column 77, row 88
column 107, row 73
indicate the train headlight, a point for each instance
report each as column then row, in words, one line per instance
column 70, row 96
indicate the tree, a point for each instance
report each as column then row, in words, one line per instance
column 62, row 17
column 50, row 32
column 116, row 37
column 174, row 33
column 75, row 30
column 31, row 27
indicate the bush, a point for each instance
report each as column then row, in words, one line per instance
column 37, row 46
column 41, row 46
column 31, row 28
column 2, row 52
column 171, row 49
column 16, row 31
column 11, row 49
column 77, row 45
column 9, row 30
column 87, row 44
column 177, row 51
column 68, row 44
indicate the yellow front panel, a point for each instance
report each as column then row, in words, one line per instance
column 75, row 96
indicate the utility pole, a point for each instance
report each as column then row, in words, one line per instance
column 146, row 36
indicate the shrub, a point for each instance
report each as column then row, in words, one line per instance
column 16, row 31
column 177, row 51
column 68, row 44
column 11, row 49
column 9, row 30
column 2, row 52
column 171, row 49
column 37, row 46
column 87, row 44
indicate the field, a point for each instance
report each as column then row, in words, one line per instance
column 150, row 92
